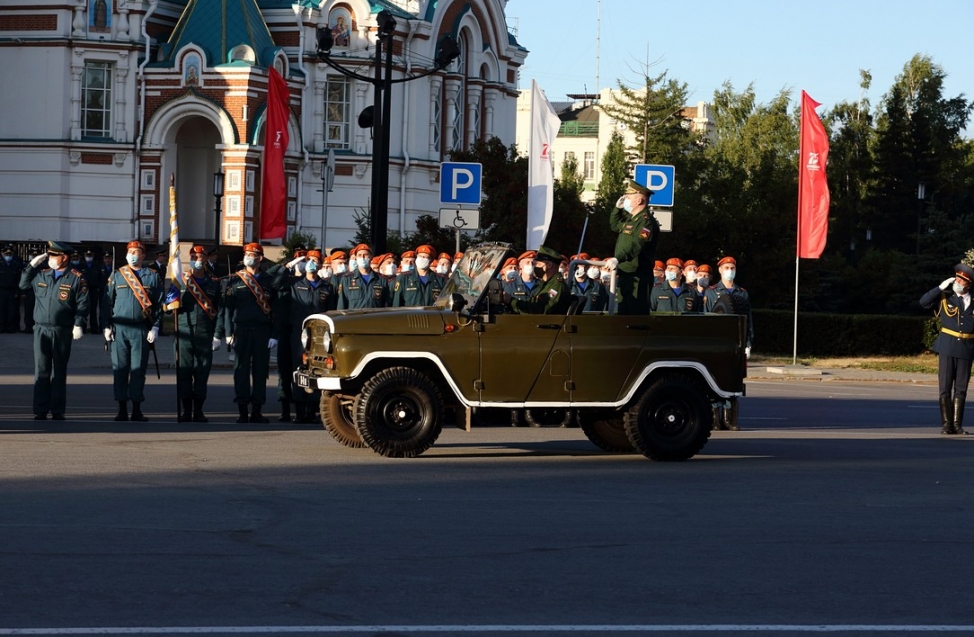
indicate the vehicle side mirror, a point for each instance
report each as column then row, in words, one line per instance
column 457, row 303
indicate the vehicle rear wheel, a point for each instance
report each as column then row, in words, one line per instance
column 671, row 420
column 337, row 417
column 606, row 430
column 544, row 417
column 399, row 412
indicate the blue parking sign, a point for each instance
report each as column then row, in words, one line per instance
column 460, row 183
column 660, row 179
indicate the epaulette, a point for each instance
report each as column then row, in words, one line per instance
column 76, row 273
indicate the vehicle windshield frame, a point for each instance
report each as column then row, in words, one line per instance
column 478, row 266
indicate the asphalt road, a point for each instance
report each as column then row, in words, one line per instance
column 837, row 509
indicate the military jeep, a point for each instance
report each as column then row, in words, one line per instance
column 646, row 384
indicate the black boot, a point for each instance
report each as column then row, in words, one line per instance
column 137, row 413
column 286, row 410
column 198, row 411
column 186, row 415
column 123, row 412
column 946, row 415
column 243, row 414
column 256, row 416
column 959, row 416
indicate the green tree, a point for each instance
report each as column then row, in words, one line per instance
column 503, row 213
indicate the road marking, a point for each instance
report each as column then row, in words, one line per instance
column 498, row 628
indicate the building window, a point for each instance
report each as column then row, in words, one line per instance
column 588, row 170
column 337, row 109
column 96, row 100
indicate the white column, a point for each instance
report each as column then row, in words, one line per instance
column 121, row 81
column 77, row 69
column 490, row 97
column 451, row 90
column 361, row 90
column 474, row 112
column 318, row 134
column 436, row 115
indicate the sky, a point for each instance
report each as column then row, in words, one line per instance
column 818, row 46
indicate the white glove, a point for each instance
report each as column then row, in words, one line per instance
column 229, row 340
column 294, row 262
column 947, row 283
column 109, row 336
column 76, row 332
column 620, row 202
column 151, row 336
column 612, row 263
column 216, row 343
column 271, row 344
column 39, row 259
column 747, row 352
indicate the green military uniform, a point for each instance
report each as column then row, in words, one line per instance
column 248, row 317
column 355, row 292
column 681, row 299
column 636, row 251
column 411, row 290
column 95, row 276
column 131, row 321
column 197, row 325
column 61, row 303
column 553, row 297
column 307, row 297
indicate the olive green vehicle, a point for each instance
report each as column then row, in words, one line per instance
column 646, row 384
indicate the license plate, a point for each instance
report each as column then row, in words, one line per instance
column 303, row 381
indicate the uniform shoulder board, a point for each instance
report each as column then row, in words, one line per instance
column 740, row 287
column 76, row 273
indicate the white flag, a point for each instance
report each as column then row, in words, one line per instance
column 541, row 176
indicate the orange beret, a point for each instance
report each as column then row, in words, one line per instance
column 135, row 245
column 727, row 260
column 583, row 256
column 511, row 261
column 675, row 262
column 254, row 247
column 689, row 262
column 337, row 254
column 388, row 256
column 200, row 250
column 376, row 260
column 530, row 254
column 659, row 265
column 409, row 254
column 425, row 249
column 327, row 260
column 360, row 247
column 444, row 255
column 703, row 269
column 314, row 254
column 457, row 256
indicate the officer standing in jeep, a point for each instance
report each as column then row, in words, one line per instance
column 635, row 248
column 552, row 296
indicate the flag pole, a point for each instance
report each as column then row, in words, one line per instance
column 798, row 233
column 174, row 276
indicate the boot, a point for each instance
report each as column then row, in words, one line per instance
column 243, row 414
column 959, row 416
column 946, row 415
column 137, row 413
column 286, row 410
column 306, row 413
column 198, row 411
column 186, row 414
column 123, row 412
column 256, row 416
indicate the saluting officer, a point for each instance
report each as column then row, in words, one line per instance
column 311, row 294
column 283, row 329
column 60, row 310
column 635, row 248
column 954, row 345
column 131, row 316
column 671, row 295
column 362, row 287
column 419, row 287
column 248, row 322
column 199, row 334
column 553, row 296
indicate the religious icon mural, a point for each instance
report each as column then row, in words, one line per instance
column 341, row 27
column 191, row 70
column 100, row 16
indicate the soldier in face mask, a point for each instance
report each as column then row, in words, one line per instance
column 740, row 300
column 387, row 266
column 419, row 287
column 339, row 263
column 523, row 285
column 362, row 287
column 951, row 301
column 586, row 288
column 702, row 282
column 672, row 295
column 408, row 262
column 509, row 271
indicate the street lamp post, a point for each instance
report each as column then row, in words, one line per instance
column 218, row 196
column 921, row 192
column 327, row 183
column 378, row 115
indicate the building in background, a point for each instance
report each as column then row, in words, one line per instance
column 103, row 100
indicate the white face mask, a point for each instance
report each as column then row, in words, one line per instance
column 594, row 272
column 132, row 259
column 312, row 267
column 388, row 270
column 196, row 265
column 441, row 269
column 422, row 263
column 51, row 263
column 527, row 268
column 511, row 274
column 340, row 268
column 728, row 275
column 670, row 276
column 690, row 277
column 406, row 267
column 959, row 289
column 627, row 205
column 250, row 261
column 580, row 272
column 365, row 263
column 325, row 273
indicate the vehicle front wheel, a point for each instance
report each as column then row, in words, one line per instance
column 399, row 412
column 671, row 420
column 337, row 417
column 606, row 429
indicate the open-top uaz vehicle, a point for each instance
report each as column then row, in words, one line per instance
column 636, row 383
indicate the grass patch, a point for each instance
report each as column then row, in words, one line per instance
column 922, row 364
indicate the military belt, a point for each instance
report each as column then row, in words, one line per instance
column 957, row 334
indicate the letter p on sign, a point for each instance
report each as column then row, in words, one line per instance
column 460, row 183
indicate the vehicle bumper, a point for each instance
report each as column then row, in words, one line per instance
column 302, row 378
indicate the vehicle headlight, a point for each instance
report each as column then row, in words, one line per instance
column 326, row 341
column 304, row 338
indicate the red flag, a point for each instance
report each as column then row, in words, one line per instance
column 813, row 189
column 273, row 192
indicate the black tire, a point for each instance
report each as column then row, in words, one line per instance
column 399, row 413
column 671, row 420
column 337, row 417
column 606, row 430
column 544, row 417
